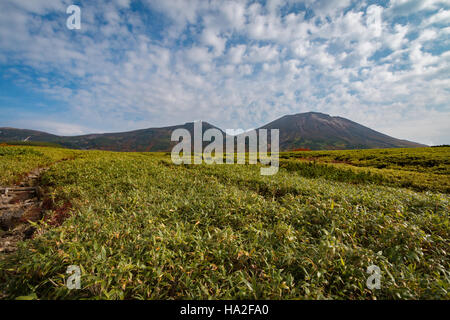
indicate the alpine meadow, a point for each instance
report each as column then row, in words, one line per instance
column 141, row 227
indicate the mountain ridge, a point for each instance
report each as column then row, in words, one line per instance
column 310, row 130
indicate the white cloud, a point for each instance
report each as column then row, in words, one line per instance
column 41, row 6
column 235, row 54
column 328, row 8
column 233, row 63
column 210, row 38
column 234, row 12
column 375, row 20
column 397, row 38
column 263, row 53
column 442, row 16
column 405, row 7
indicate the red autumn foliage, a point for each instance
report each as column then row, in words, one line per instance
column 59, row 214
column 302, row 149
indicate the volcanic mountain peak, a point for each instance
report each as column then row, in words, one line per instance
column 316, row 131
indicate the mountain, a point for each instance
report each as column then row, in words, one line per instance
column 318, row 131
column 13, row 134
column 144, row 140
column 311, row 130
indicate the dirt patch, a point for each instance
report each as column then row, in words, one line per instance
column 19, row 205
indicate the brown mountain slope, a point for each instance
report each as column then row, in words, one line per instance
column 318, row 131
column 312, row 130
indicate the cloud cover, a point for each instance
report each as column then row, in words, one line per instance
column 236, row 64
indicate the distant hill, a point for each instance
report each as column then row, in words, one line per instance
column 311, row 130
column 145, row 140
column 13, row 134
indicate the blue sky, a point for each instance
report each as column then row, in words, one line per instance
column 236, row 64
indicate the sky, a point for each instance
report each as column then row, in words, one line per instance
column 236, row 64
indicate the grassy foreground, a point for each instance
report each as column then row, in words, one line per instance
column 16, row 161
column 141, row 227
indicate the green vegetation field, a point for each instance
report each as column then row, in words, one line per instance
column 141, row 227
